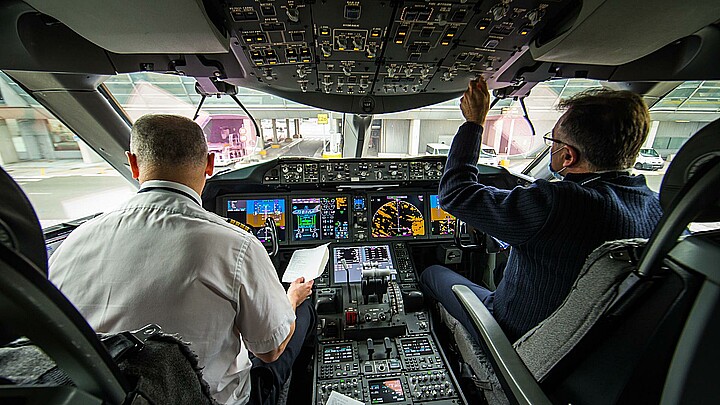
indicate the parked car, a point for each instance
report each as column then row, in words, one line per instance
column 488, row 156
column 649, row 159
column 433, row 149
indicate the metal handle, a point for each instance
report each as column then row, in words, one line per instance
column 460, row 229
column 274, row 245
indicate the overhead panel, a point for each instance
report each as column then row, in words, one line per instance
column 349, row 37
column 276, row 40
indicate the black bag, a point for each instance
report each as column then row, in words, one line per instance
column 162, row 368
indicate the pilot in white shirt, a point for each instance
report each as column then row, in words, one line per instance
column 161, row 258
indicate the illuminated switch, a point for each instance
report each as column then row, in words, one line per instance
column 375, row 33
column 305, row 55
column 483, row 24
column 257, row 58
column 324, row 31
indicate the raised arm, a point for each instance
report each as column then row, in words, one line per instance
column 510, row 215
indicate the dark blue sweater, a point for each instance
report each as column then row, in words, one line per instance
column 552, row 227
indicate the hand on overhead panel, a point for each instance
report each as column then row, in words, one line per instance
column 299, row 291
column 475, row 103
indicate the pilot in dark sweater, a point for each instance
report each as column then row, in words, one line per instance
column 552, row 226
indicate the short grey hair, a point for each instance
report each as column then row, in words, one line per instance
column 166, row 141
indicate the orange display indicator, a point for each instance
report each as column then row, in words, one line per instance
column 483, row 24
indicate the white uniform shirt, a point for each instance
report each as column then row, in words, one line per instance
column 161, row 258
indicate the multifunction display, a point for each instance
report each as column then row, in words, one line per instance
column 320, row 218
column 350, row 262
column 416, row 347
column 399, row 215
column 254, row 213
column 351, row 217
column 441, row 222
column 337, row 354
column 386, row 391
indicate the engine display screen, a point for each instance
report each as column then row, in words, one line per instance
column 386, row 391
column 441, row 222
column 397, row 216
column 320, row 218
column 254, row 213
column 350, row 260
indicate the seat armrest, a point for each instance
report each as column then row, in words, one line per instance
column 517, row 380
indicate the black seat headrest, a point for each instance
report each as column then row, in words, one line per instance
column 19, row 226
column 696, row 156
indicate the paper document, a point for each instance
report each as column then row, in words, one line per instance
column 337, row 398
column 308, row 263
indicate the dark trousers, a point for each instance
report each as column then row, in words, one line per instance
column 436, row 282
column 268, row 378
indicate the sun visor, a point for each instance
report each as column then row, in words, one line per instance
column 600, row 33
column 139, row 26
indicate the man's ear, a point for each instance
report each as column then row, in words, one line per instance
column 132, row 160
column 210, row 165
column 571, row 156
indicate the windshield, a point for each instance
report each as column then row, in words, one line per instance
column 65, row 179
column 649, row 153
column 287, row 128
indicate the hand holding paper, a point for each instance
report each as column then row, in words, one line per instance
column 307, row 263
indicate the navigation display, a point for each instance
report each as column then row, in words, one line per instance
column 320, row 218
column 386, row 391
column 253, row 213
column 441, row 223
column 397, row 216
column 357, row 257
